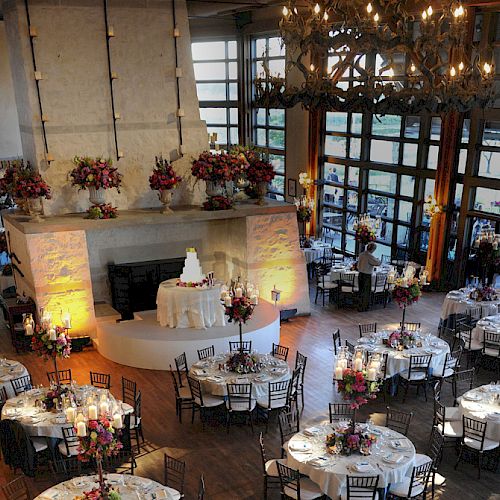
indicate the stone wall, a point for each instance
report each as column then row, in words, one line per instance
column 10, row 139
column 70, row 52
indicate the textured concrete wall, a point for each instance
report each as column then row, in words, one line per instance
column 10, row 138
column 70, row 51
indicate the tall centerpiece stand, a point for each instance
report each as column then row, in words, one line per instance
column 406, row 292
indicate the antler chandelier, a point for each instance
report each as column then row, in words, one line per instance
column 349, row 55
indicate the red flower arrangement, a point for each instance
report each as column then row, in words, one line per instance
column 355, row 387
column 259, row 170
column 217, row 167
column 23, row 182
column 51, row 344
column 163, row 176
column 218, row 203
column 7, row 181
column 98, row 173
column 405, row 294
column 100, row 441
column 364, row 234
column 242, row 362
column 103, row 211
column 240, row 311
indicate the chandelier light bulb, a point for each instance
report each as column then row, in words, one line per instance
column 325, row 17
column 413, row 68
column 312, row 67
column 459, row 11
column 461, row 66
column 285, row 10
column 390, row 73
column 376, row 18
column 429, row 11
column 453, row 71
column 424, row 15
column 369, row 8
column 295, row 11
column 317, row 9
column 487, row 68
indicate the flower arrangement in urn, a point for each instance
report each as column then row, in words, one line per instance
column 260, row 172
column 96, row 175
column 344, row 441
column 406, row 291
column 164, row 180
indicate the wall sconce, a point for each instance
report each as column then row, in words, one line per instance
column 431, row 207
column 275, row 295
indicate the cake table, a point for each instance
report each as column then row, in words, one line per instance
column 188, row 307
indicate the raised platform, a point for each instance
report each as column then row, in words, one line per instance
column 143, row 343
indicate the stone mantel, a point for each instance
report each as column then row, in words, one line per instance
column 130, row 218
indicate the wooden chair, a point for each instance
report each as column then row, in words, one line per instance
column 474, row 314
column 471, row 346
column 410, row 326
column 136, row 421
column 380, row 290
column 17, row 489
column 300, row 363
column 490, row 354
column 462, row 381
column 417, row 374
column 350, row 347
column 239, row 402
column 64, row 468
column 237, row 346
column 347, row 288
column 100, row 380
column 270, row 473
column 449, row 429
column 129, row 391
column 277, row 399
column 324, row 286
column 398, row 420
column 68, row 447
column 289, row 424
column 294, row 485
column 450, row 366
column 183, row 397
column 174, row 473
column 337, row 342
column 414, row 486
column 367, row 328
column 280, row 352
column 362, row 487
column 207, row 352
column 474, row 440
column 341, row 412
column 121, row 463
column 202, row 403
column 21, row 384
column 64, row 377
column 182, row 368
column 3, row 397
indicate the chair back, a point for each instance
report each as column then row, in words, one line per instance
column 181, row 366
column 280, row 351
column 195, row 387
column 474, row 430
column 300, row 363
column 206, row 352
column 263, row 455
column 279, row 394
column 462, row 381
column 337, row 342
column 123, row 462
column 452, row 361
column 289, row 481
column 294, row 386
column 383, row 365
column 347, row 281
column 138, row 407
column 491, row 343
column 341, row 411
column 236, row 396
column 17, row 489
column 380, row 283
column 436, row 445
column 410, row 326
column 175, row 471
column 3, row 397
column 289, row 424
column 419, row 364
column 174, row 381
column 439, row 413
column 237, row 346
column 328, row 256
column 21, row 384
column 70, row 440
column 362, row 487
column 100, row 380
column 350, row 347
column 367, row 328
column 129, row 391
column 398, row 420
column 64, row 377
column 64, row 468
column 201, row 488
column 474, row 314
column 419, row 479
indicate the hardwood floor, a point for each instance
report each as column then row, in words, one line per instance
column 231, row 461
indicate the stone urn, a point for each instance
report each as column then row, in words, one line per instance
column 214, row 189
column 261, row 189
column 97, row 196
column 34, row 208
column 165, row 197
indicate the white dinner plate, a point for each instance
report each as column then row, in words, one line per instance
column 392, row 458
column 399, row 444
column 302, row 446
column 472, row 397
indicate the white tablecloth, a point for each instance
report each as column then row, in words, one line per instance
column 38, row 422
column 399, row 361
column 315, row 252
column 129, row 488
column 336, row 273
column 213, row 381
column 486, row 408
column 185, row 307
column 457, row 302
column 9, row 370
column 331, row 477
column 490, row 323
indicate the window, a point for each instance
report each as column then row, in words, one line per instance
column 268, row 125
column 216, row 74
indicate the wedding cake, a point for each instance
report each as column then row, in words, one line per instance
column 192, row 268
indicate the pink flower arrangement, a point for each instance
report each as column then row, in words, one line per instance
column 241, row 310
column 242, row 362
column 399, row 337
column 356, row 388
column 406, row 295
column 100, row 440
column 217, row 168
column 345, row 441
column 163, row 176
column 259, row 170
column 43, row 346
column 98, row 173
column 364, row 234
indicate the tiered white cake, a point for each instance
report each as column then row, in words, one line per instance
column 192, row 268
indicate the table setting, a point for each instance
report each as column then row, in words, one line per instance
column 9, row 370
column 346, row 267
column 315, row 251
column 225, row 368
column 122, row 486
column 329, row 452
column 488, row 323
column 400, row 346
column 483, row 403
column 41, row 417
column 462, row 300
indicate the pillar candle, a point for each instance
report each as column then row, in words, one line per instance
column 52, row 334
column 104, row 407
column 372, row 374
column 92, row 412
column 70, row 414
column 358, row 364
column 117, row 421
column 238, row 293
column 81, row 429
column 338, row 373
column 228, row 301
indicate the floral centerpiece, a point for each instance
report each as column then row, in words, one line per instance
column 97, row 494
column 406, row 291
column 364, row 234
column 483, row 294
column 240, row 310
column 218, row 202
column 355, row 387
column 164, row 179
column 402, row 338
column 191, row 284
column 345, row 441
column 103, row 211
column 53, row 396
column 242, row 362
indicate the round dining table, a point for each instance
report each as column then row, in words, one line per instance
column 127, row 486
column 399, row 361
column 483, row 403
column 214, row 380
column 459, row 302
column 488, row 323
column 339, row 269
column 9, row 370
column 189, row 307
column 26, row 409
column 392, row 458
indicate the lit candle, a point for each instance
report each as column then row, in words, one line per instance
column 104, row 407
column 67, row 320
column 70, row 414
column 227, row 301
column 372, row 374
column 254, row 300
column 52, row 334
column 81, row 429
column 358, row 364
column 92, row 412
column 338, row 373
column 117, row 421
column 238, row 293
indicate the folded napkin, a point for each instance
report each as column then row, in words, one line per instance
column 161, row 493
column 198, row 371
column 300, row 446
column 311, row 431
column 392, row 458
column 215, row 378
column 318, row 462
column 362, row 467
column 400, row 444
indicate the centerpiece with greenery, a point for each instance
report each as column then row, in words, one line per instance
column 345, row 441
column 164, row 180
column 356, row 388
